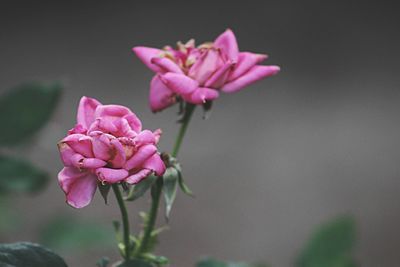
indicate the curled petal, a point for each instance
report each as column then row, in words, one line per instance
column 254, row 74
column 140, row 156
column 157, row 134
column 220, row 76
column 145, row 137
column 155, row 164
column 245, row 62
column 160, row 95
column 145, row 54
column 205, row 66
column 111, row 176
column 201, row 95
column 78, row 186
column 80, row 143
column 166, row 64
column 117, row 152
column 101, row 146
column 179, row 83
column 66, row 153
column 137, row 177
column 86, row 109
column 228, row 44
column 111, row 113
column 92, row 163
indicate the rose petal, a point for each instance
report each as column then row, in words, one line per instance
column 227, row 42
column 201, row 95
column 155, row 164
column 254, row 74
column 80, row 143
column 145, row 54
column 179, row 83
column 137, row 177
column 160, row 95
column 78, row 186
column 220, row 76
column 144, row 138
column 111, row 176
column 166, row 64
column 140, row 156
column 86, row 109
column 245, row 62
column 205, row 66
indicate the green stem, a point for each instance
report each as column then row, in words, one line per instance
column 125, row 220
column 157, row 187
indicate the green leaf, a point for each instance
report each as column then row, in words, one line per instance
column 25, row 109
column 104, row 190
column 139, row 189
column 103, row 262
column 331, row 245
column 209, row 262
column 136, row 263
column 28, row 255
column 170, row 187
column 65, row 233
column 18, row 176
column 185, row 189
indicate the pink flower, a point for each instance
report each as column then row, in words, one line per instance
column 198, row 74
column 107, row 146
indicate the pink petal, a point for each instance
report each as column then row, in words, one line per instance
column 157, row 134
column 166, row 64
column 140, row 156
column 245, row 62
column 66, row 153
column 228, row 44
column 111, row 176
column 160, row 95
column 101, row 146
column 155, row 164
column 86, row 109
column 219, row 77
column 137, row 177
column 134, row 122
column 92, row 163
column 206, row 65
column 254, row 74
column 80, row 143
column 145, row 54
column 201, row 95
column 145, row 137
column 78, row 186
column 114, row 112
column 118, row 154
column 179, row 83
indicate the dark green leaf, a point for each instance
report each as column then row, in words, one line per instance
column 170, row 188
column 25, row 109
column 18, row 176
column 68, row 234
column 331, row 245
column 104, row 190
column 28, row 255
column 139, row 189
column 136, row 263
column 103, row 262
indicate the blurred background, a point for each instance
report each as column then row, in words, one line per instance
column 272, row 162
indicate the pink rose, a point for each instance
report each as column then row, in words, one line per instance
column 198, row 74
column 108, row 146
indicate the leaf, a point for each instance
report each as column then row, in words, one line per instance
column 28, row 255
column 104, row 190
column 65, row 233
column 170, row 187
column 103, row 262
column 331, row 245
column 209, row 262
column 25, row 109
column 18, row 176
column 185, row 189
column 136, row 263
column 139, row 189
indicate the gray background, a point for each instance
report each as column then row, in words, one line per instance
column 274, row 160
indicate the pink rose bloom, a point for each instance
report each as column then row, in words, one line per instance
column 106, row 146
column 198, row 74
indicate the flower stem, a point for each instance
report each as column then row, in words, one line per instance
column 125, row 220
column 157, row 187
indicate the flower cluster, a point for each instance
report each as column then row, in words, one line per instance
column 106, row 146
column 197, row 74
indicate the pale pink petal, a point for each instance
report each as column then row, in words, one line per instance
column 78, row 186
column 157, row 134
column 145, row 137
column 101, row 146
column 140, row 156
column 206, row 65
column 166, row 64
column 254, row 74
column 220, row 76
column 155, row 164
column 66, row 153
column 201, row 95
column 92, row 163
column 179, row 83
column 227, row 42
column 111, row 176
column 86, row 109
column 160, row 95
column 145, row 54
column 137, row 177
column 245, row 62
column 117, row 159
column 110, row 113
column 134, row 122
column 80, row 143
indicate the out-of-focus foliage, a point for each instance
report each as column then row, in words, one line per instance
column 19, row 176
column 331, row 245
column 25, row 109
column 67, row 233
column 209, row 262
column 28, row 254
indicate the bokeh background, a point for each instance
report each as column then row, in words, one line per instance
column 273, row 161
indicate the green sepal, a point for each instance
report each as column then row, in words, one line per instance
column 170, row 180
column 104, row 190
column 141, row 188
